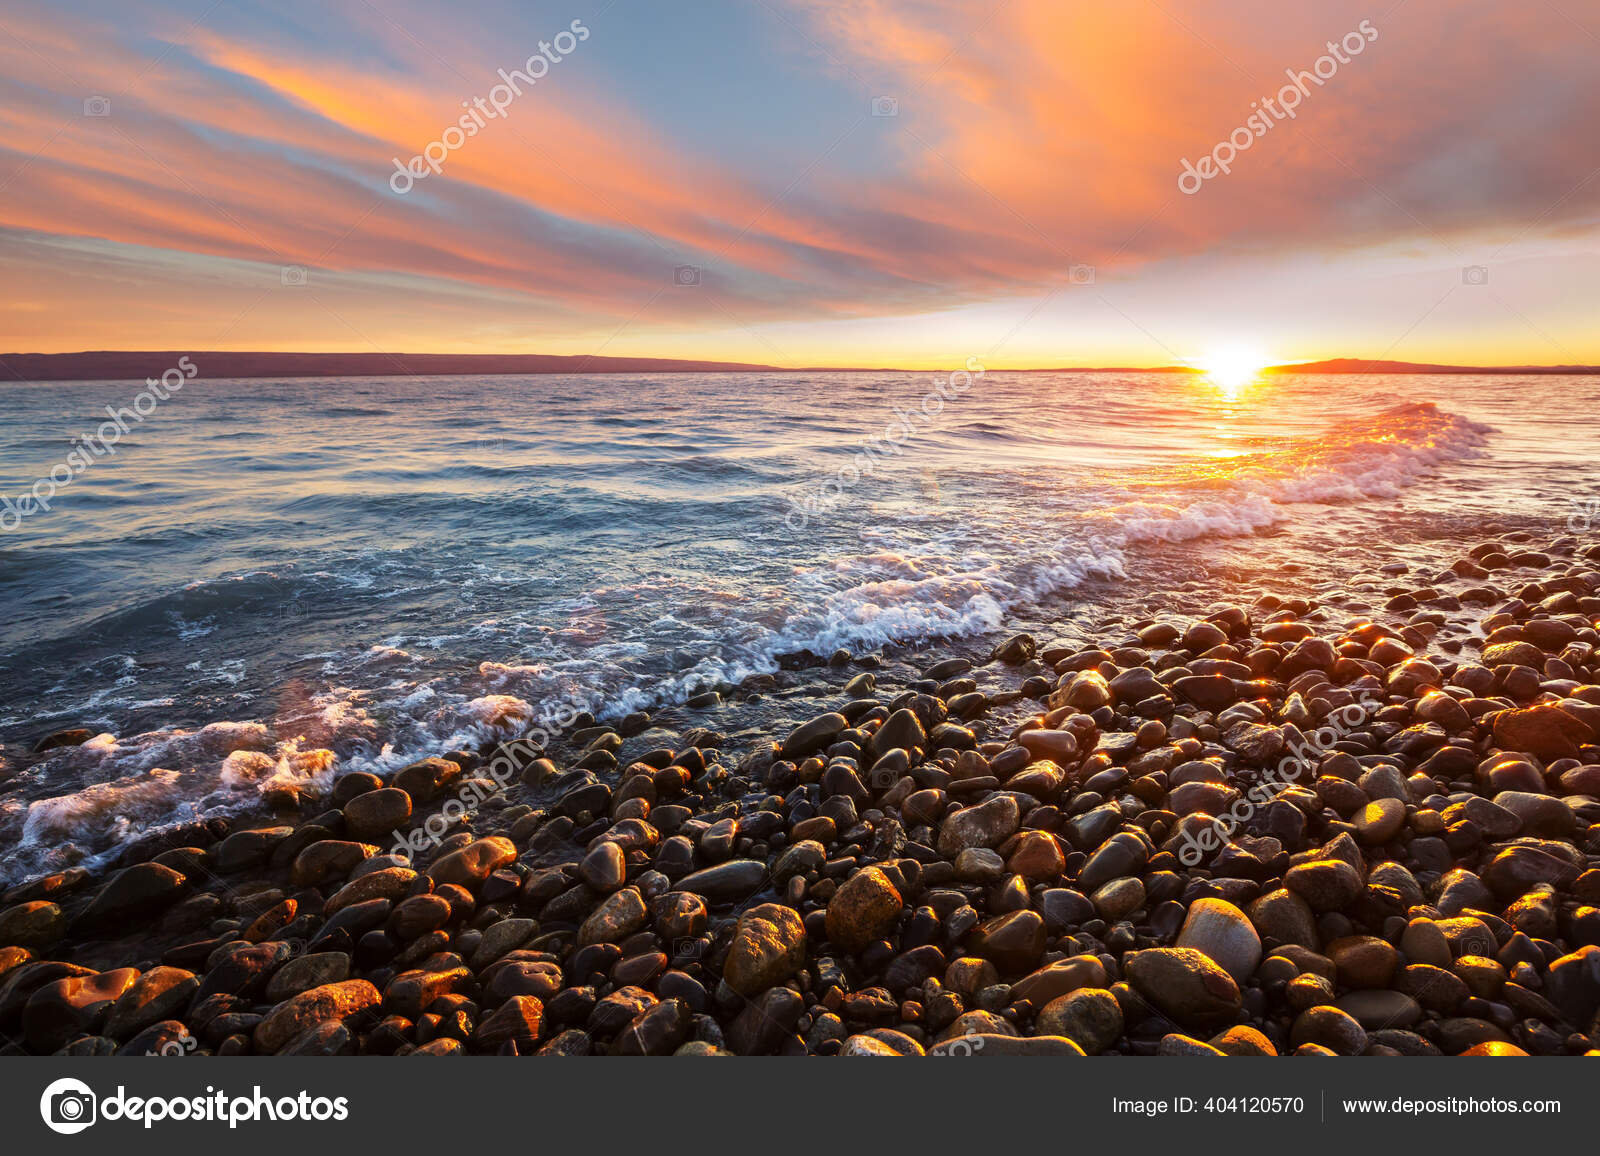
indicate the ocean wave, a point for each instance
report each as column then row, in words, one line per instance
column 659, row 636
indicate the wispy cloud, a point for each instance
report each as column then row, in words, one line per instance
column 1029, row 136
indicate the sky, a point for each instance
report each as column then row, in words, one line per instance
column 909, row 183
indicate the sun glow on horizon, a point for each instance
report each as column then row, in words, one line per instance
column 1231, row 366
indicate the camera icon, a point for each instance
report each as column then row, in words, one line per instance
column 1475, row 274
column 881, row 779
column 294, row 610
column 1081, row 274
column 686, row 275
column 293, row 275
column 97, row 106
column 686, row 950
column 68, row 1106
column 885, row 106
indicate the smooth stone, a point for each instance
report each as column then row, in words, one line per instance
column 327, row 860
column 474, row 863
column 1326, row 884
column 137, row 892
column 1243, row 1040
column 1118, row 899
column 1037, row 857
column 377, row 814
column 765, row 1022
column 1545, row 730
column 726, row 882
column 73, row 1006
column 1089, row 1017
column 619, row 916
column 162, row 993
column 977, row 1023
column 1330, row 1028
column 659, row 1031
column 1222, row 932
column 604, row 868
column 1057, row 746
column 1284, row 916
column 863, row 910
column 36, row 924
column 810, row 737
column 424, row 779
column 1185, row 984
column 1379, row 821
column 1015, row 941
column 986, row 825
column 1363, row 961
column 1055, row 980
column 520, row 1020
column 769, row 945
column 1121, row 855
column 1494, row 1048
column 391, row 883
column 901, row 730
column 501, row 938
column 304, row 972
column 1376, row 1009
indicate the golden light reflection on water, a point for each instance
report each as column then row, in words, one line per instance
column 1230, row 384
column 1256, row 431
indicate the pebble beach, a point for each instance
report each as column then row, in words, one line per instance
column 1353, row 821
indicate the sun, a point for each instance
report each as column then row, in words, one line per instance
column 1231, row 366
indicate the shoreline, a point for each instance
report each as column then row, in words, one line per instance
column 959, row 859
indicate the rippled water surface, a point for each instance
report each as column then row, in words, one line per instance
column 381, row 567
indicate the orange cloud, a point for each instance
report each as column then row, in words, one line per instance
column 1031, row 136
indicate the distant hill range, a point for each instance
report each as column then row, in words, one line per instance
column 1352, row 365
column 120, row 365
column 126, row 365
column 1357, row 365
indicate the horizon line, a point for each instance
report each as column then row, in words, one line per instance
column 113, row 365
